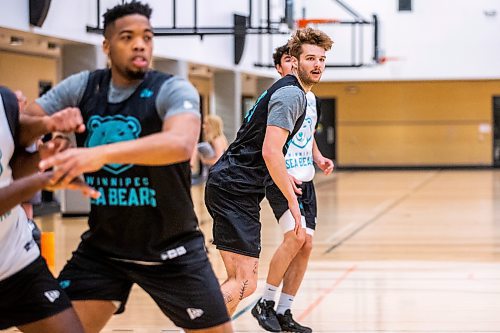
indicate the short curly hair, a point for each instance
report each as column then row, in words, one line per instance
column 128, row 8
column 279, row 52
column 308, row 36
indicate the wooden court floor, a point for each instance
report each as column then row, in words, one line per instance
column 394, row 251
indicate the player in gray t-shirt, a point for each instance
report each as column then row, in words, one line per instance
column 141, row 129
column 236, row 183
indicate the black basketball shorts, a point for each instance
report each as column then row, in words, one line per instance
column 236, row 220
column 30, row 295
column 307, row 202
column 184, row 287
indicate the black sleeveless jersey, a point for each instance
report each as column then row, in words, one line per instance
column 11, row 108
column 143, row 211
column 242, row 168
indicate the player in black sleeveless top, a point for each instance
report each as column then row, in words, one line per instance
column 141, row 129
column 236, row 183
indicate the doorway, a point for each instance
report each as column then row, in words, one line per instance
column 326, row 131
column 496, row 131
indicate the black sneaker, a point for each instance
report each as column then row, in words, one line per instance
column 264, row 312
column 289, row 325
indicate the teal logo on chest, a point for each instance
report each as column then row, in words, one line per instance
column 305, row 134
column 112, row 129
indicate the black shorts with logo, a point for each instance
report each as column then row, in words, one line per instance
column 307, row 202
column 30, row 295
column 236, row 220
column 184, row 287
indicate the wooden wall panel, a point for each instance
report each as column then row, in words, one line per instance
column 413, row 123
column 21, row 71
column 413, row 145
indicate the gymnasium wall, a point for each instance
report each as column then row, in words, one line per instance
column 204, row 87
column 437, row 40
column 20, row 71
column 417, row 123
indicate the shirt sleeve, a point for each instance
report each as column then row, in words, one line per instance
column 67, row 93
column 285, row 107
column 177, row 96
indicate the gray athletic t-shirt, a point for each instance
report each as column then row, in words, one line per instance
column 242, row 168
column 175, row 96
column 285, row 107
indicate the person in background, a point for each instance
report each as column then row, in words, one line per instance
column 213, row 131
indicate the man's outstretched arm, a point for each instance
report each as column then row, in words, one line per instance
column 22, row 190
column 173, row 145
column 325, row 164
column 36, row 124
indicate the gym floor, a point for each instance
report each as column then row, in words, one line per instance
column 394, row 251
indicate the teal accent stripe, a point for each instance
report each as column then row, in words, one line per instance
column 245, row 309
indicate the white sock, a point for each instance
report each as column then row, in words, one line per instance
column 269, row 292
column 285, row 303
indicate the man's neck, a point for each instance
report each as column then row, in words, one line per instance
column 121, row 82
column 306, row 88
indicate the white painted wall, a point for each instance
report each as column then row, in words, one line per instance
column 439, row 39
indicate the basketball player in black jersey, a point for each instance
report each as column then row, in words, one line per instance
column 236, row 183
column 142, row 126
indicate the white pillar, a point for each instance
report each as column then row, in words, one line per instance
column 76, row 58
column 227, row 99
column 174, row 67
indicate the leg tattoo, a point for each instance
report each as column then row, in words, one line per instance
column 227, row 298
column 243, row 288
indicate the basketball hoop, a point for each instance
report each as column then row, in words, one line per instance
column 383, row 60
column 302, row 23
